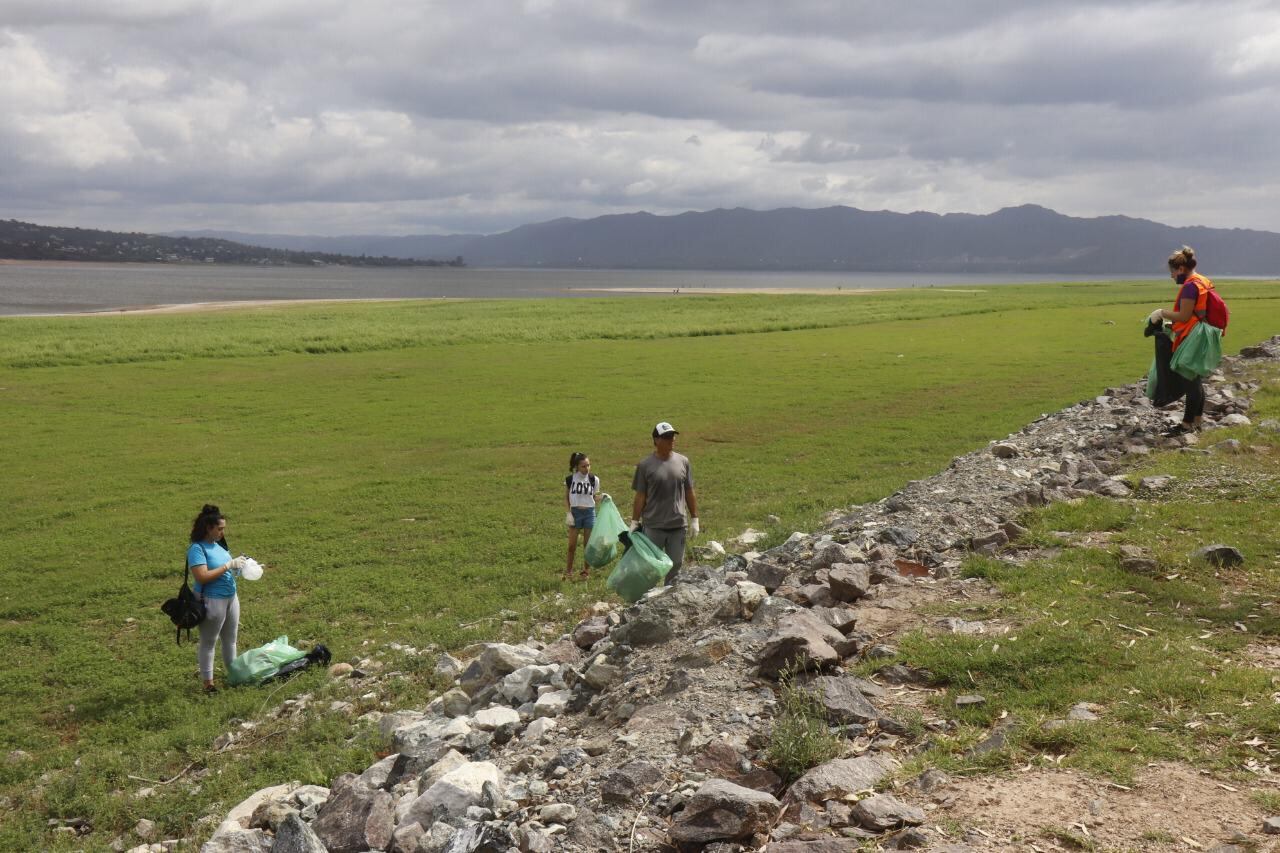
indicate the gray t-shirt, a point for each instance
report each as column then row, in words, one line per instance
column 663, row 483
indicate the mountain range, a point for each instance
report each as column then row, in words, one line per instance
column 1025, row 239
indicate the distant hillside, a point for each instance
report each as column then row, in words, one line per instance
column 1027, row 239
column 26, row 241
column 423, row 247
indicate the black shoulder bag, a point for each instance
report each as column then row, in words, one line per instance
column 185, row 611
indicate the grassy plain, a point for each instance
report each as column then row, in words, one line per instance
column 1180, row 663
column 397, row 466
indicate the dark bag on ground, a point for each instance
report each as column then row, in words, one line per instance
column 186, row 610
column 319, row 655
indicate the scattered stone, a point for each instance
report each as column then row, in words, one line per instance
column 355, row 818
column 899, row 537
column 628, row 783
column 969, row 700
column 909, row 839
column 144, row 829
column 448, row 667
column 1004, row 450
column 455, row 702
column 1083, row 712
column 1220, row 555
column 801, row 641
column 960, row 626
column 590, row 632
column 849, row 581
column 562, row 813
column 931, row 780
column 837, row 780
column 1157, row 483
column 881, row 812
column 295, row 836
column 721, row 810
column 842, row 701
column 1234, row 420
column 340, row 670
column 1271, row 826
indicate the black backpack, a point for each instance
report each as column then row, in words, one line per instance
column 187, row 610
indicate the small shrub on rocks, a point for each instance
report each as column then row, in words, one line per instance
column 800, row 739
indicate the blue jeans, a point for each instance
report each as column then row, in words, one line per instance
column 584, row 518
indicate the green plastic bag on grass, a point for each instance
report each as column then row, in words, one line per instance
column 256, row 664
column 1199, row 353
column 643, row 567
column 603, row 544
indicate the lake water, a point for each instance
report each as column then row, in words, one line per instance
column 58, row 288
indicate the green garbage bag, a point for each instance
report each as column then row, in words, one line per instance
column 257, row 664
column 603, row 545
column 1199, row 353
column 643, row 567
column 1152, row 378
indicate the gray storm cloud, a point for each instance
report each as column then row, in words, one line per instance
column 408, row 117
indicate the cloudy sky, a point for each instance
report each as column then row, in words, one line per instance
column 410, row 116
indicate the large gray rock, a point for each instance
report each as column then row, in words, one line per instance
column 837, row 780
column 843, row 619
column 881, row 812
column 825, row 845
column 767, row 574
column 238, row 841
column 658, row 619
column 829, row 553
column 801, row 641
column 849, row 581
column 454, row 793
column 627, row 784
column 355, row 818
column 494, row 661
column 590, row 632
column 521, row 685
column 721, row 810
column 424, row 736
column 842, row 701
column 294, row 836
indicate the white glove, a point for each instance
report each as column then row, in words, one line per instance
column 633, row 526
column 604, row 496
column 236, row 564
column 568, row 518
column 1157, row 316
column 694, row 527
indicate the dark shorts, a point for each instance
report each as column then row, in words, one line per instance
column 584, row 518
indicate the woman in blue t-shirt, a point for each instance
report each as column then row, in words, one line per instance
column 214, row 570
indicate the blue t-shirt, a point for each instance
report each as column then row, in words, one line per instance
column 212, row 556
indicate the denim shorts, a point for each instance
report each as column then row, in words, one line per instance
column 584, row 517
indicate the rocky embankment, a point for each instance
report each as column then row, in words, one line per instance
column 647, row 727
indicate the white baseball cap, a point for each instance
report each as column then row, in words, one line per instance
column 663, row 428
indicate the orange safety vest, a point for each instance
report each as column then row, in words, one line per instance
column 1203, row 286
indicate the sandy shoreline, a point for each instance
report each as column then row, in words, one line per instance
column 193, row 307
column 240, row 304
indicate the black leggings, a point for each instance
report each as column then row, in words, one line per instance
column 1195, row 400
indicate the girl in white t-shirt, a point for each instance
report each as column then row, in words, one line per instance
column 581, row 491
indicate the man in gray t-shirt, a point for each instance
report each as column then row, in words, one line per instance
column 663, row 484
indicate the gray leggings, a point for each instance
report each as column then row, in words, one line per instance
column 221, row 622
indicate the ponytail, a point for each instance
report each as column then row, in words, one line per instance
column 574, row 459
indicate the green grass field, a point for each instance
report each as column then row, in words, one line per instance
column 398, row 467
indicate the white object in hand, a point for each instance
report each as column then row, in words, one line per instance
column 694, row 527
column 568, row 518
column 252, row 569
column 634, row 526
column 1157, row 316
